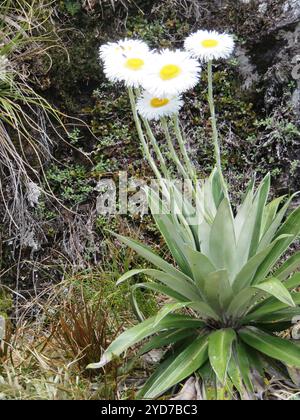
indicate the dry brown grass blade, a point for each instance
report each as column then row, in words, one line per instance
column 83, row 330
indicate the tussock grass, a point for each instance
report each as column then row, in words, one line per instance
column 28, row 122
column 46, row 358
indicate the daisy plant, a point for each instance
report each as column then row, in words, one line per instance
column 229, row 292
column 208, row 46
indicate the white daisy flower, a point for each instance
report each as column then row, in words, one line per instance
column 125, row 61
column 171, row 73
column 116, row 49
column 209, row 45
column 152, row 108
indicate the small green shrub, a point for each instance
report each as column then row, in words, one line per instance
column 72, row 184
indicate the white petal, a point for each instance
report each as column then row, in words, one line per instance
column 186, row 79
column 149, row 112
column 194, row 44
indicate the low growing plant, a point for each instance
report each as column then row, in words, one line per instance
column 228, row 292
column 24, row 113
column 28, row 122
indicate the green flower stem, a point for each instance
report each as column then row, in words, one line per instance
column 141, row 135
column 176, row 159
column 144, row 143
column 172, row 150
column 150, row 159
column 214, row 127
column 156, row 149
column 181, row 142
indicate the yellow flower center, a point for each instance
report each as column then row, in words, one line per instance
column 134, row 63
column 170, row 71
column 210, row 43
column 158, row 103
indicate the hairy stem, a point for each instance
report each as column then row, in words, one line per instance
column 141, row 135
column 215, row 134
column 172, row 150
column 156, row 149
column 190, row 169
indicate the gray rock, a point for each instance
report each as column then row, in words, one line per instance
column 247, row 68
column 291, row 9
column 273, row 59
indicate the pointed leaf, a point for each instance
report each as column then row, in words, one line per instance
column 171, row 356
column 210, row 208
column 204, row 232
column 235, row 377
column 183, row 286
column 244, row 210
column 143, row 330
column 174, row 207
column 290, row 227
column 261, row 198
column 167, row 309
column 293, row 282
column 217, row 291
column 247, row 241
column 184, row 365
column 200, row 265
column 216, row 187
column 243, row 302
column 222, row 238
column 284, row 316
column 271, row 306
column 275, row 288
column 150, row 256
column 270, row 213
column 245, row 276
column 271, row 232
column 204, row 310
column 245, row 231
column 220, row 350
column 273, row 327
column 272, row 346
column 158, row 288
column 244, row 365
column 289, row 266
column 169, row 231
column 166, row 338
